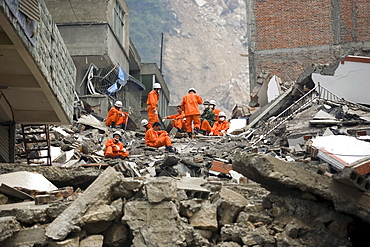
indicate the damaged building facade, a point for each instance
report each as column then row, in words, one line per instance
column 291, row 40
column 108, row 65
column 37, row 73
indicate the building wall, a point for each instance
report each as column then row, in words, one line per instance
column 286, row 37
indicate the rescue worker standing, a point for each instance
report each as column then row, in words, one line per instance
column 190, row 104
column 177, row 121
column 154, row 137
column 116, row 117
column 221, row 126
column 114, row 147
column 152, row 102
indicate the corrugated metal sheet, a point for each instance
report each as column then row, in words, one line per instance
column 30, row 8
column 4, row 144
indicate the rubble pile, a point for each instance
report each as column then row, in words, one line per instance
column 289, row 187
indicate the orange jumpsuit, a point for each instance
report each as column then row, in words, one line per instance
column 117, row 116
column 219, row 128
column 113, row 149
column 206, row 126
column 178, row 120
column 190, row 104
column 152, row 102
column 157, row 138
column 216, row 111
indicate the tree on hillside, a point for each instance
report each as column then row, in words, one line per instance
column 148, row 20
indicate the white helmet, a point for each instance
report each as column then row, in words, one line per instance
column 157, row 85
column 212, row 102
column 144, row 122
column 222, row 114
column 192, row 89
column 117, row 133
column 118, row 103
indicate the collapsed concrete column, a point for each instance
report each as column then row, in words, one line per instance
column 70, row 220
column 280, row 176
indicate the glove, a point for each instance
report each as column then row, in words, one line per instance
column 155, row 112
column 164, row 119
column 223, row 131
column 211, row 134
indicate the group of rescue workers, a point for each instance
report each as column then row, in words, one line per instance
column 212, row 122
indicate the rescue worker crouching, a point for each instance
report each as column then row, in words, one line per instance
column 145, row 124
column 208, row 118
column 116, row 117
column 154, row 137
column 177, row 121
column 221, row 126
column 114, row 148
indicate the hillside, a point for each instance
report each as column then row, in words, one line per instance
column 205, row 47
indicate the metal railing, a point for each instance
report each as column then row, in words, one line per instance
column 317, row 92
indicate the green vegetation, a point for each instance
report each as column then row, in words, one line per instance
column 148, row 20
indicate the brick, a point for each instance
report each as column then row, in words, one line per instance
column 218, row 166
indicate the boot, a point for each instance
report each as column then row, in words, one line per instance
column 113, row 125
column 123, row 126
column 171, row 149
column 197, row 131
column 190, row 134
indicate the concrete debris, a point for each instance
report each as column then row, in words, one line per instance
column 305, row 183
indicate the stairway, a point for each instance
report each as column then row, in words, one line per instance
column 36, row 139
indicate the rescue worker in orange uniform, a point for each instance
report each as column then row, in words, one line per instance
column 189, row 104
column 155, row 137
column 116, row 117
column 152, row 102
column 221, row 126
column 212, row 104
column 145, row 124
column 114, row 147
column 177, row 121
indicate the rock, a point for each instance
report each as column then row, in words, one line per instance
column 71, row 242
column 260, row 236
column 160, row 189
column 229, row 204
column 99, row 213
column 93, row 240
column 69, row 220
column 3, row 199
column 8, row 226
column 117, row 235
column 205, row 218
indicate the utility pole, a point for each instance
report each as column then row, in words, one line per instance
column 161, row 58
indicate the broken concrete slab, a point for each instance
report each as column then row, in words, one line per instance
column 278, row 175
column 26, row 212
column 155, row 223
column 160, row 189
column 27, row 180
column 8, row 226
column 32, row 236
column 230, row 204
column 70, row 219
column 60, row 177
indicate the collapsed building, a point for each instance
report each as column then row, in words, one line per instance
column 277, row 181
